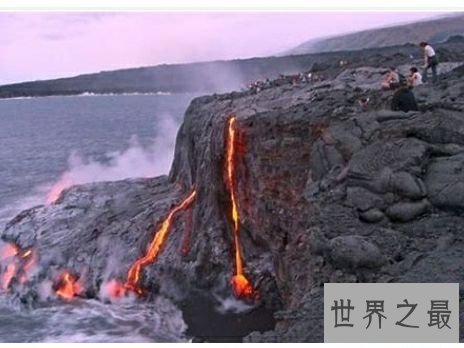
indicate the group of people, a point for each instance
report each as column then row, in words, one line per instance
column 258, row 86
column 301, row 78
column 394, row 79
column 403, row 99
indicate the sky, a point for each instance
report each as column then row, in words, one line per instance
column 41, row 45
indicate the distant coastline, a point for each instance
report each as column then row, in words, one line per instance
column 92, row 94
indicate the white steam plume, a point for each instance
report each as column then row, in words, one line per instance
column 136, row 161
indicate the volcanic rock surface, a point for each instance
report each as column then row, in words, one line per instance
column 327, row 192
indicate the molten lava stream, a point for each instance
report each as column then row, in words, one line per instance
column 241, row 285
column 133, row 276
column 68, row 286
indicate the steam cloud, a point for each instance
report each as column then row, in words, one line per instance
column 134, row 162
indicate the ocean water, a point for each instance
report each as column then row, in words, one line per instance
column 93, row 321
column 85, row 138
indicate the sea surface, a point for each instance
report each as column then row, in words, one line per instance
column 85, row 138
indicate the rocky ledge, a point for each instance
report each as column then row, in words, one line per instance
column 325, row 191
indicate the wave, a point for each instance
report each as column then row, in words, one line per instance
column 16, row 98
column 92, row 94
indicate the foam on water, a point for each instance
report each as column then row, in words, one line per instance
column 232, row 305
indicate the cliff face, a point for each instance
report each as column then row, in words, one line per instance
column 326, row 192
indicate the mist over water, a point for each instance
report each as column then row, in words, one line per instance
column 135, row 161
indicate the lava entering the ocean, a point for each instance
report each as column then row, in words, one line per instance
column 68, row 286
column 133, row 276
column 241, row 285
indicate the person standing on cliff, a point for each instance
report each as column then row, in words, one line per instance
column 430, row 61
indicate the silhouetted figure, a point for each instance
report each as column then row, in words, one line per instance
column 404, row 100
column 430, row 61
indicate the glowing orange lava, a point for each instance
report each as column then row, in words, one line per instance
column 242, row 287
column 133, row 276
column 240, row 284
column 18, row 264
column 68, row 287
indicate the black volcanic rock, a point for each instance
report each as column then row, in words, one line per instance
column 327, row 192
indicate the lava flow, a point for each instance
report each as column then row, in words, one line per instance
column 241, row 285
column 68, row 286
column 133, row 276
